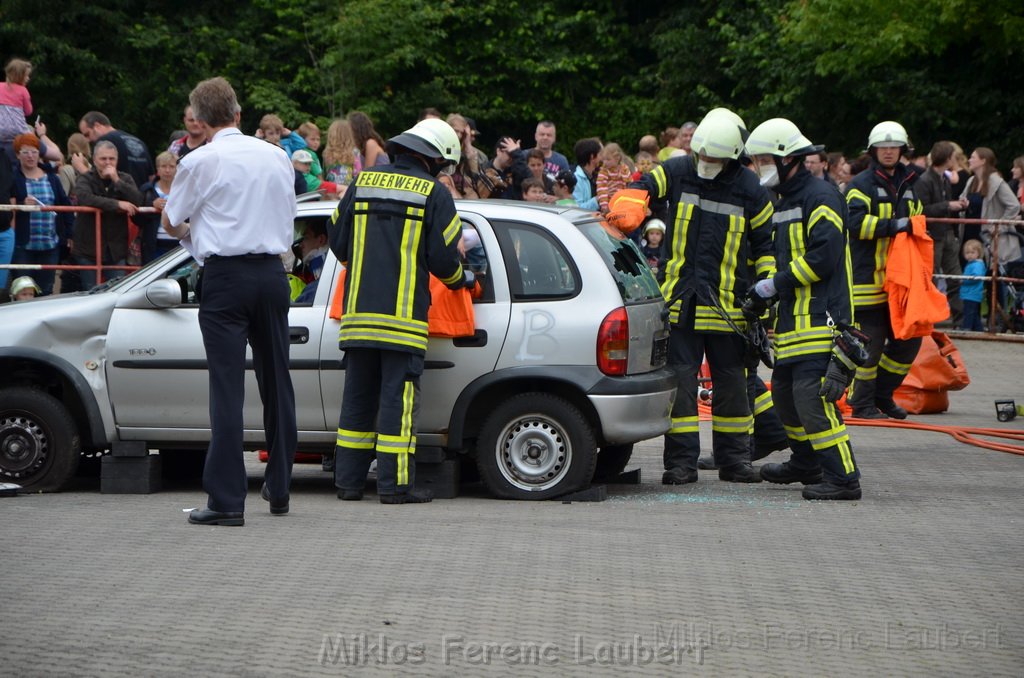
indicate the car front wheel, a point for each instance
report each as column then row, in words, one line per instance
column 39, row 444
column 535, row 446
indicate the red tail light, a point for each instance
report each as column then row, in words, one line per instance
column 613, row 343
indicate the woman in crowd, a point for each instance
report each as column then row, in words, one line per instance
column 78, row 162
column 369, row 143
column 38, row 235
column 1017, row 184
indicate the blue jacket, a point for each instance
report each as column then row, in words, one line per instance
column 584, row 192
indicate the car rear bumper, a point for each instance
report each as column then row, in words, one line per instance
column 634, row 408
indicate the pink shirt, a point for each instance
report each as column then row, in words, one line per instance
column 16, row 96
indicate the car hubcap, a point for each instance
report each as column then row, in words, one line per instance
column 23, row 447
column 533, row 454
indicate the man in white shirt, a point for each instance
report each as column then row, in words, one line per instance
column 233, row 207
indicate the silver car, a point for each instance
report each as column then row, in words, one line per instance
column 566, row 369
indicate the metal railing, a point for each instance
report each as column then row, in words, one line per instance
column 99, row 266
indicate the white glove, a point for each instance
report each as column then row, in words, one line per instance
column 765, row 288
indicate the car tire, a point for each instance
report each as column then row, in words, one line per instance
column 611, row 462
column 39, row 443
column 535, row 446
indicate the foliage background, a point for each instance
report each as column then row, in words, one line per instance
column 947, row 69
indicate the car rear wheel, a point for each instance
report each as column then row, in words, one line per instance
column 39, row 444
column 535, row 446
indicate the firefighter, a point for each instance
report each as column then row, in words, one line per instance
column 395, row 225
column 815, row 300
column 881, row 201
column 715, row 206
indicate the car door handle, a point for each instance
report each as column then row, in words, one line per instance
column 478, row 339
column 298, row 335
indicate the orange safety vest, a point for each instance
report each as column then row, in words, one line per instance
column 450, row 313
column 915, row 304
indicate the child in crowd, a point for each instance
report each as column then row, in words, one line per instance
column 654, row 233
column 272, row 129
column 972, row 291
column 535, row 162
column 302, row 160
column 24, row 288
column 565, row 183
column 644, row 163
column 310, row 133
column 613, row 176
column 533, row 190
column 15, row 101
column 341, row 157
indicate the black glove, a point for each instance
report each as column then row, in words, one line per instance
column 837, row 378
column 468, row 278
column 754, row 306
column 902, row 225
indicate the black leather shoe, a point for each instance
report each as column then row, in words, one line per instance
column 826, row 490
column 784, row 474
column 891, row 409
column 350, row 495
column 868, row 413
column 706, row 464
column 210, row 517
column 740, row 473
column 421, row 497
column 278, row 507
column 678, row 476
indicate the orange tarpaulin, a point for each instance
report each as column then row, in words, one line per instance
column 915, row 304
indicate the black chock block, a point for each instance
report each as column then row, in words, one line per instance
column 130, row 475
column 129, row 448
column 592, row 493
column 430, row 455
column 626, row 478
column 441, row 478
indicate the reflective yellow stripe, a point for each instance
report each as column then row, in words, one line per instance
column 382, row 335
column 765, row 266
column 454, row 277
column 763, row 216
column 658, row 174
column 763, row 403
column 411, row 232
column 826, row 439
column 804, row 274
column 453, row 230
column 391, row 185
column 842, row 445
column 828, row 214
column 355, row 266
column 730, row 260
column 796, row 433
column 889, row 365
column 359, row 440
column 731, row 424
column 685, row 424
column 867, row 373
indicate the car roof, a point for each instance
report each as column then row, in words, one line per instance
column 486, row 208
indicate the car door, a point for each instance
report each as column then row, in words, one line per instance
column 451, row 364
column 157, row 370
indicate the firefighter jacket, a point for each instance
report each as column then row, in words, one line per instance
column 713, row 226
column 876, row 200
column 813, row 261
column 395, row 225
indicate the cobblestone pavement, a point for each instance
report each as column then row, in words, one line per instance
column 922, row 577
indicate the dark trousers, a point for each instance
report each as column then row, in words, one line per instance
column 378, row 419
column 972, row 316
column 43, row 278
column 246, row 300
column 731, row 420
column 889, row 359
column 947, row 260
column 769, row 433
column 817, row 434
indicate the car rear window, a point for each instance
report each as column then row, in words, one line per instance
column 624, row 260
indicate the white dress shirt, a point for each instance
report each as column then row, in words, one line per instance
column 238, row 194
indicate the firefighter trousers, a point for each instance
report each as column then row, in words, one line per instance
column 817, row 434
column 769, row 434
column 378, row 420
column 731, row 419
column 889, row 359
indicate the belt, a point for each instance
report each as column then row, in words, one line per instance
column 252, row 255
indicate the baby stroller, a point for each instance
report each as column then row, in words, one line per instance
column 1014, row 296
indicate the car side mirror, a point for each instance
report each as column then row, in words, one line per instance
column 163, row 293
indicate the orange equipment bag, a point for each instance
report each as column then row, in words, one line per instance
column 450, row 313
column 937, row 370
column 915, row 304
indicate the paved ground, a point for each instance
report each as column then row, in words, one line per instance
column 923, row 577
